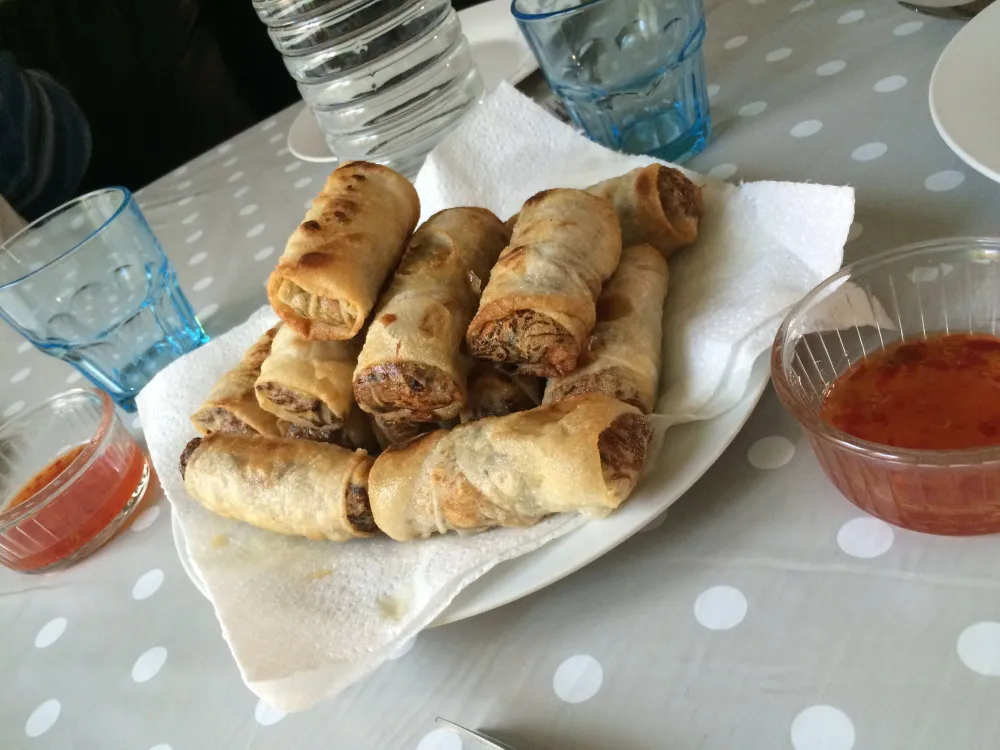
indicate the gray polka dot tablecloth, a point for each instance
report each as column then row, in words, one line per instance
column 764, row 611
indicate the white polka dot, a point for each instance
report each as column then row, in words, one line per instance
column 266, row 715
column 180, row 171
column 23, row 347
column 979, row 648
column 771, row 452
column 184, row 185
column 276, row 138
column 802, row 6
column 20, row 375
column 722, row 171
column 910, row 27
column 136, row 423
column 720, row 608
column 50, row 633
column 242, row 191
column 268, row 125
column 248, row 209
column 308, row 204
column 146, row 519
column 13, row 409
column 225, row 148
column 35, row 241
column 889, row 84
column 949, row 179
column 822, row 728
column 806, row 128
column 756, row 2
column 778, row 55
column 264, row 253
column 255, row 230
column 303, row 182
column 35, row 266
column 149, row 664
column 77, row 222
column 235, row 176
column 161, row 747
column 713, row 90
column 148, row 584
column 197, row 258
column 855, row 231
column 736, row 41
column 831, row 68
column 283, row 151
column 865, row 537
column 752, row 109
column 184, row 201
column 578, row 678
column 208, row 311
column 203, row 283
column 42, row 718
column 440, row 739
column 230, row 161
column 404, row 648
column 869, row 151
column 654, row 524
column 74, row 376
column 190, row 218
column 195, row 236
column 851, row 16
column 293, row 166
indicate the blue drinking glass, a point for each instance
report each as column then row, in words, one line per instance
column 630, row 72
column 88, row 283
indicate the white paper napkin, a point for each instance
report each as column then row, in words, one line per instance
column 305, row 619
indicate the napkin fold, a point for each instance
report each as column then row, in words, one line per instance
column 305, row 619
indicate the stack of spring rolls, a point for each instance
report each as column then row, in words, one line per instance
column 503, row 369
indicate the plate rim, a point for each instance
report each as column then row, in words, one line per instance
column 981, row 24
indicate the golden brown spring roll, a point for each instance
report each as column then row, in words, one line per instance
column 581, row 454
column 308, row 383
column 232, row 405
column 623, row 360
column 295, row 487
column 391, row 431
column 336, row 261
column 355, row 432
column 411, row 366
column 494, row 391
column 655, row 205
column 539, row 305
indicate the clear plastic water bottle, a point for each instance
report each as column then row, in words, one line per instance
column 385, row 79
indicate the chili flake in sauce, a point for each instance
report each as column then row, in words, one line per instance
column 941, row 393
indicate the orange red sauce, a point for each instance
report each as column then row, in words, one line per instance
column 942, row 393
column 83, row 509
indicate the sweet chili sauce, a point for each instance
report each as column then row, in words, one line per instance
column 82, row 510
column 941, row 393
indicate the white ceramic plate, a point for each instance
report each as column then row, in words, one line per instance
column 500, row 52
column 965, row 93
column 688, row 452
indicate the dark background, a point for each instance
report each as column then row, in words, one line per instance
column 160, row 81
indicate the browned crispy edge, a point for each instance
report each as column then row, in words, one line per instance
column 424, row 393
column 612, row 381
column 623, row 445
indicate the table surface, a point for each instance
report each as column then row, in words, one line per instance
column 765, row 612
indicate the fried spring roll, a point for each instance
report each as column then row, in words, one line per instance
column 232, row 405
column 294, row 487
column 582, row 454
column 623, row 360
column 334, row 264
column 356, row 432
column 411, row 366
column 393, row 431
column 655, row 205
column 539, row 306
column 308, row 383
column 495, row 392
